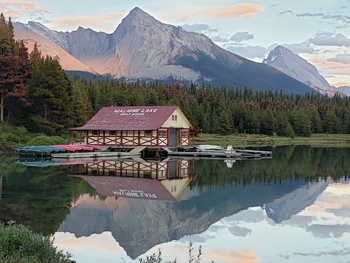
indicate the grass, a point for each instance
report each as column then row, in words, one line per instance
column 245, row 140
column 12, row 137
column 20, row 245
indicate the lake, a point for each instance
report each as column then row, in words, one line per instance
column 292, row 208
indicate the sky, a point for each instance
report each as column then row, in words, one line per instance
column 316, row 30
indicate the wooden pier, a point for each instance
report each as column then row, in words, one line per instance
column 136, row 152
column 191, row 152
column 220, row 154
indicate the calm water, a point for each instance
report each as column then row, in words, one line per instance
column 294, row 207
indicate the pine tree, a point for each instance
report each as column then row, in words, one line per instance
column 267, row 122
column 302, row 123
column 151, row 98
column 35, row 55
column 51, row 93
column 225, row 124
column 13, row 68
column 79, row 107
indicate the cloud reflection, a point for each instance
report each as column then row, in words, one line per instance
column 236, row 256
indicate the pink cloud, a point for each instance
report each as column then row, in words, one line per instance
column 186, row 14
column 245, row 10
column 17, row 9
column 106, row 22
column 235, row 256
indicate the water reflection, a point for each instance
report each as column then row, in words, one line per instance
column 290, row 208
column 130, row 178
column 131, row 222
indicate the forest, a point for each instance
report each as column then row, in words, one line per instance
column 36, row 93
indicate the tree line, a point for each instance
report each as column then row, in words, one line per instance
column 37, row 93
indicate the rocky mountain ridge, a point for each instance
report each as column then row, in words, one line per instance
column 300, row 69
column 142, row 47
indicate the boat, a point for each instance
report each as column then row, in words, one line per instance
column 209, row 147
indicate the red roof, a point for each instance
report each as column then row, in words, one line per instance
column 129, row 118
column 129, row 187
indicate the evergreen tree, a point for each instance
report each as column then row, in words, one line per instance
column 251, row 122
column 267, row 122
column 51, row 97
column 79, row 107
column 302, row 123
column 332, row 122
column 225, row 124
column 151, row 98
column 104, row 96
column 13, row 68
column 282, row 126
column 35, row 55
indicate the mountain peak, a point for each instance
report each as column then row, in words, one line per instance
column 293, row 65
column 137, row 10
column 138, row 13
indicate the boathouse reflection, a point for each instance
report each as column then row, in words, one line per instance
column 131, row 178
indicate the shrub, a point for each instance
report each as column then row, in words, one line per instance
column 18, row 244
column 47, row 140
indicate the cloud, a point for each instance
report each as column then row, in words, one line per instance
column 241, row 36
column 219, row 38
column 248, row 51
column 17, row 10
column 341, row 84
column 199, row 28
column 240, row 231
column 344, row 251
column 106, row 22
column 342, row 58
column 341, row 18
column 245, row 10
column 296, row 48
column 327, row 39
column 238, row 256
column 286, row 12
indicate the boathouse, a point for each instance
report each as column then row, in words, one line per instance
column 159, row 126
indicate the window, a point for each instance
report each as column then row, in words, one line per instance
column 94, row 133
column 111, row 133
column 184, row 134
column 162, row 133
column 148, row 133
column 174, row 117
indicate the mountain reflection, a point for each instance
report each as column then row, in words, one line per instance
column 141, row 216
column 145, row 203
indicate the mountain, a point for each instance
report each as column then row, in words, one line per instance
column 142, row 47
column 30, row 37
column 300, row 69
column 344, row 89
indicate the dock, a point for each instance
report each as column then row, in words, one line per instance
column 136, row 152
column 72, row 152
column 220, row 154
